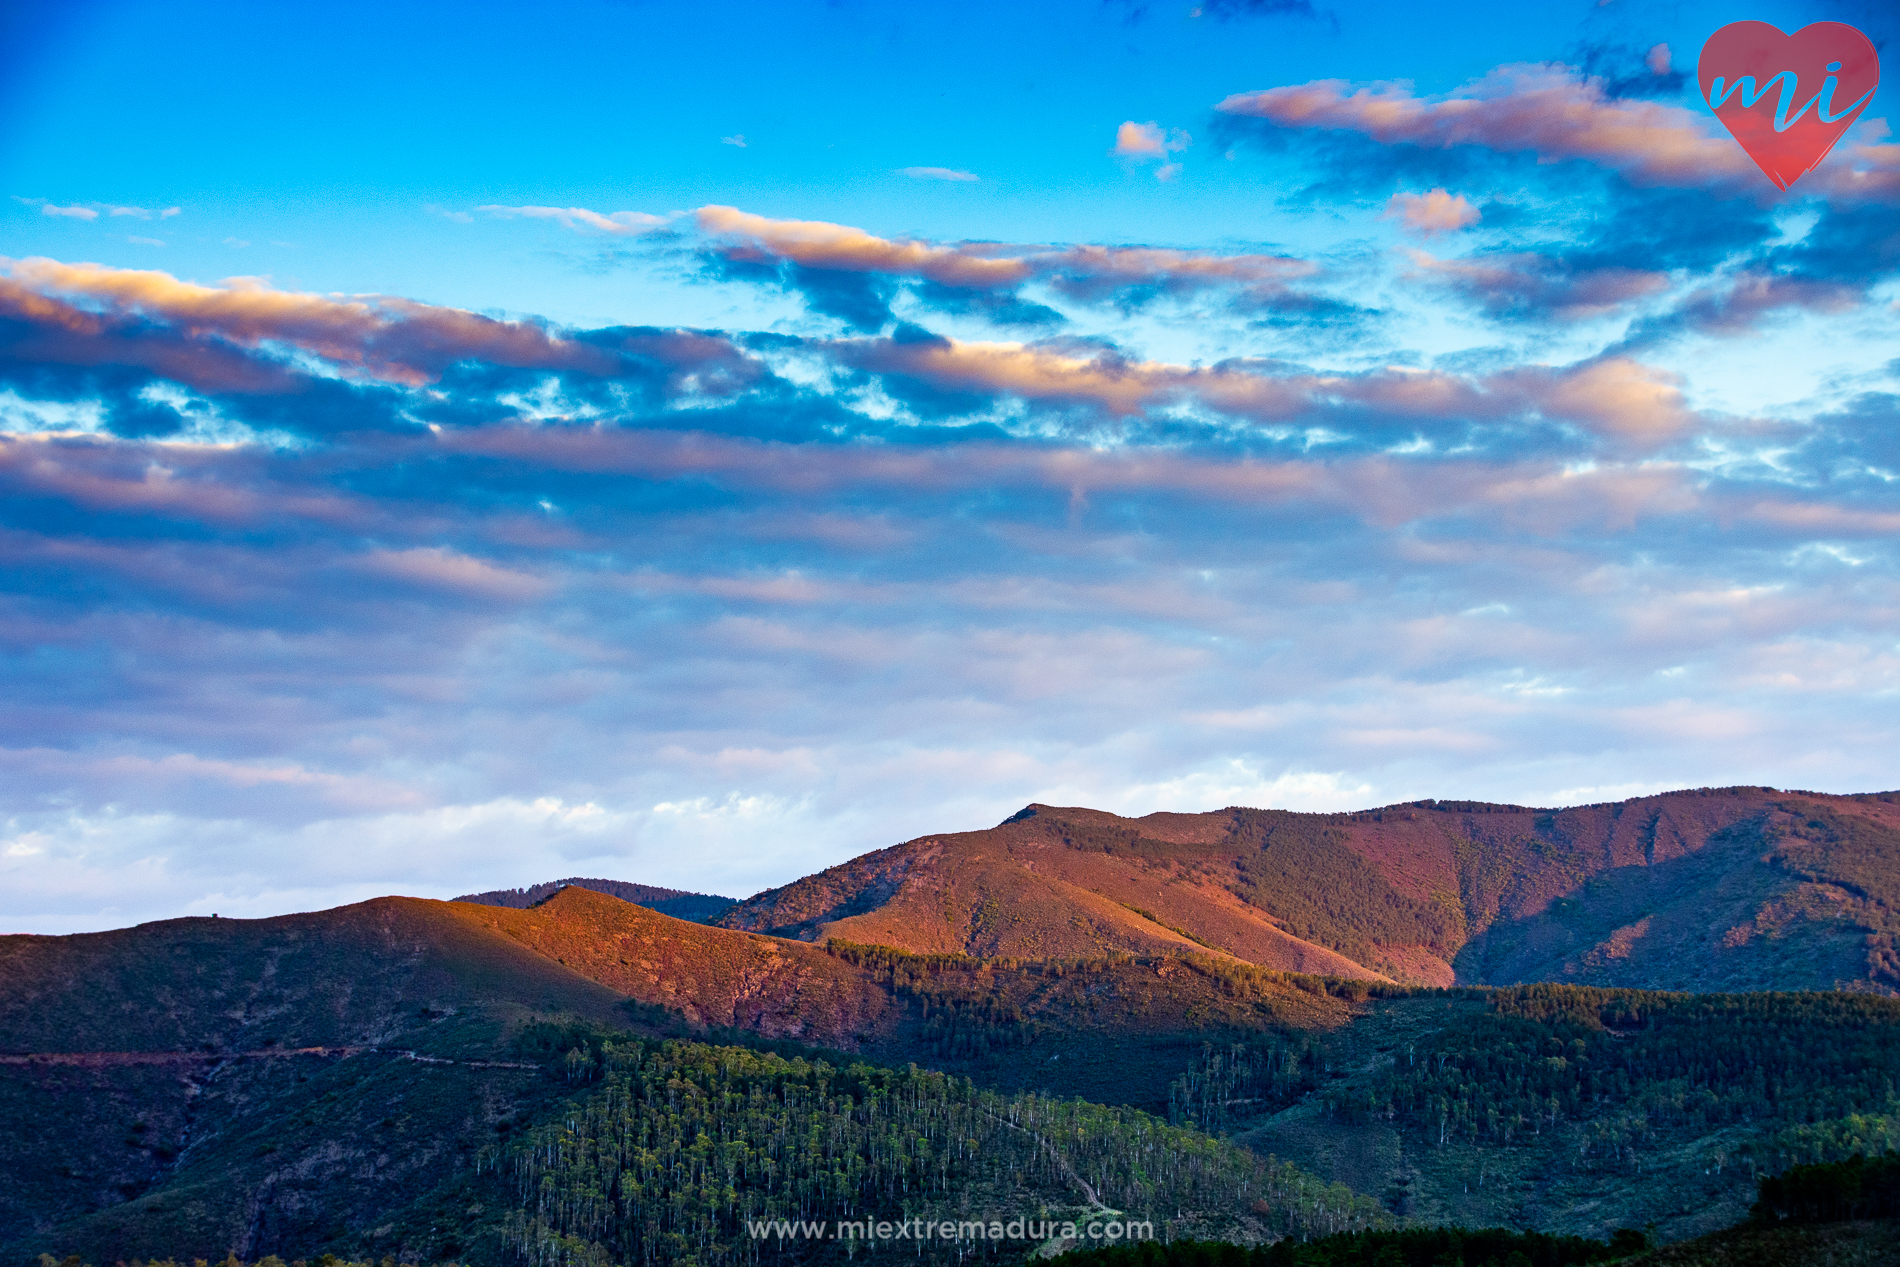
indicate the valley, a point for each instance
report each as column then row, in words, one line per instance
column 1339, row 1015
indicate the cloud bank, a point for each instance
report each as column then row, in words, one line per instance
column 1569, row 464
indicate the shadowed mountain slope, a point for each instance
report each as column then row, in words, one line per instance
column 1708, row 889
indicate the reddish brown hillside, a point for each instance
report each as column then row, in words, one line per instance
column 1048, row 883
column 349, row 976
column 1696, row 889
column 712, row 976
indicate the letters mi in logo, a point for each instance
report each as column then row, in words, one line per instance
column 1788, row 98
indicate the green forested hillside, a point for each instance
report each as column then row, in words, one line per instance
column 1565, row 1108
column 678, row 1145
column 1615, row 1068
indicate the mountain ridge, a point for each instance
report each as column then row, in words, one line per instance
column 701, row 908
column 307, row 1079
column 1427, row 892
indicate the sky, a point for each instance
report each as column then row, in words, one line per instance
column 446, row 447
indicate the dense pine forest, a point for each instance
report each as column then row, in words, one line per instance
column 1813, row 1075
column 675, row 1146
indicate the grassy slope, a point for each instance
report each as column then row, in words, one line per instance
column 1060, row 883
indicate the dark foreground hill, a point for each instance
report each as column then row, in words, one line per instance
column 1716, row 889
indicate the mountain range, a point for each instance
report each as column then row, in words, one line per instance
column 1741, row 888
column 356, row 1080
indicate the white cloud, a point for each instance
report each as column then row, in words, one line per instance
column 1433, row 212
column 617, row 222
column 84, row 211
column 1148, row 140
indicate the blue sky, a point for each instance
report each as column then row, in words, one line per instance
column 453, row 446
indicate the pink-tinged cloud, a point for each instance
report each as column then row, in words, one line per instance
column 444, row 569
column 618, row 222
column 819, row 244
column 1433, row 212
column 1861, row 172
column 102, row 476
column 1511, row 285
column 394, row 339
column 56, row 332
column 1658, row 60
column 1110, row 383
column 1822, row 519
column 1616, row 398
column 1088, row 273
column 1740, row 305
column 1148, row 140
column 1547, row 110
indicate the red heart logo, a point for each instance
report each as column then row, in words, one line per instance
column 1788, row 98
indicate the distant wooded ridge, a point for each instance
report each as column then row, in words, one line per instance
column 700, row 908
